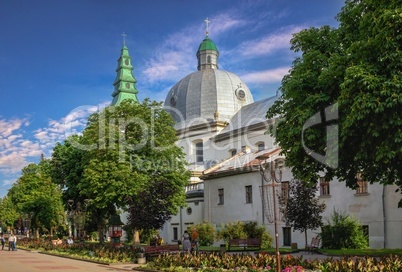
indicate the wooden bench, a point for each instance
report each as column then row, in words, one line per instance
column 313, row 246
column 245, row 243
column 161, row 249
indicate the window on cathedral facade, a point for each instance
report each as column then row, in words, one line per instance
column 284, row 190
column 209, row 59
column 362, row 185
column 324, row 187
column 199, row 152
column 261, row 146
column 249, row 194
column 175, row 233
column 220, row 196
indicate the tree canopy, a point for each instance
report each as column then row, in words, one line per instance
column 340, row 104
column 126, row 155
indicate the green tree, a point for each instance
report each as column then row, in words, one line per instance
column 356, row 69
column 123, row 153
column 303, row 209
column 343, row 232
column 34, row 193
column 8, row 213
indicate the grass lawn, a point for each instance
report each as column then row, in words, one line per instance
column 361, row 252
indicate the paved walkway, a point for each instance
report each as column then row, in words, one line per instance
column 27, row 261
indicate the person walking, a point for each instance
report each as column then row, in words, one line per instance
column 195, row 240
column 185, row 241
column 11, row 242
column 15, row 243
column 3, row 241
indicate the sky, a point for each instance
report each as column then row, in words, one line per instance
column 58, row 58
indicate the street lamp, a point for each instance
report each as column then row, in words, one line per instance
column 27, row 223
column 271, row 171
column 77, row 215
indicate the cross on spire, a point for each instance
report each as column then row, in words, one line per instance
column 207, row 22
column 124, row 38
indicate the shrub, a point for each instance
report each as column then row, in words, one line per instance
column 240, row 229
column 206, row 233
column 342, row 232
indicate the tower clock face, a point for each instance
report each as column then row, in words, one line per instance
column 241, row 95
column 127, row 62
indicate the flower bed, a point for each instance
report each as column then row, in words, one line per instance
column 103, row 253
column 267, row 263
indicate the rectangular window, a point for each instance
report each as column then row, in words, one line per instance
column 175, row 234
column 199, row 152
column 366, row 233
column 287, row 236
column 324, row 187
column 362, row 185
column 249, row 194
column 221, row 197
column 284, row 190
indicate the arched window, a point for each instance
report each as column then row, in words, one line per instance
column 208, row 59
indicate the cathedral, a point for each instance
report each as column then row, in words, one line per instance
column 223, row 133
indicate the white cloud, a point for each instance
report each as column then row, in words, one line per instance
column 268, row 44
column 267, row 76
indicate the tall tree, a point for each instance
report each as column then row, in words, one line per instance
column 303, row 209
column 340, row 103
column 34, row 193
column 123, row 153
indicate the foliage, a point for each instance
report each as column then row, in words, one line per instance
column 267, row 263
column 303, row 209
column 206, row 232
column 105, row 253
column 243, row 230
column 355, row 68
column 343, row 232
column 34, row 193
column 8, row 213
column 125, row 158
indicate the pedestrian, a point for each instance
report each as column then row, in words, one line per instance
column 11, row 242
column 185, row 241
column 195, row 240
column 15, row 243
column 3, row 241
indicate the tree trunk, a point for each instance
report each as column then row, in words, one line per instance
column 305, row 238
column 136, row 237
column 101, row 234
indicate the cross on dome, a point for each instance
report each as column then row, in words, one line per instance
column 124, row 38
column 207, row 23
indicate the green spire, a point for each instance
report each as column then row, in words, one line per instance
column 124, row 84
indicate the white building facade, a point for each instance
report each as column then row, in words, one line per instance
column 223, row 131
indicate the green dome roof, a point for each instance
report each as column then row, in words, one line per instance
column 207, row 44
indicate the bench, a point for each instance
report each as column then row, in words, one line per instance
column 245, row 243
column 313, row 246
column 161, row 249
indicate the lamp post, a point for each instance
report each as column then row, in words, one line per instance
column 267, row 171
column 27, row 223
column 77, row 215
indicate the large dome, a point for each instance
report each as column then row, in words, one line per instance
column 209, row 94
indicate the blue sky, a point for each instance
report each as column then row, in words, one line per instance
column 58, row 58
